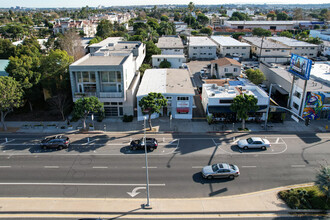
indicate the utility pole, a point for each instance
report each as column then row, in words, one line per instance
column 262, row 42
column 145, row 152
column 267, row 112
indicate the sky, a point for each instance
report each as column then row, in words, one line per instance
column 107, row 3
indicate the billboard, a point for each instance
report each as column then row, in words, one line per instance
column 300, row 66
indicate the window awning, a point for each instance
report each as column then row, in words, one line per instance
column 182, row 110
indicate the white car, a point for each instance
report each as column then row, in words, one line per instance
column 254, row 142
column 220, row 170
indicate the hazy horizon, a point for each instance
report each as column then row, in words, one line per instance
column 107, row 3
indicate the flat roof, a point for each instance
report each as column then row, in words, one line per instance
column 166, row 81
column 315, row 83
column 99, row 61
column 214, row 91
column 262, row 22
column 200, row 41
column 266, row 44
column 292, row 42
column 106, row 42
column 170, row 42
column 229, row 41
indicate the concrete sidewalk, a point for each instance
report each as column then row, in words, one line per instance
column 166, row 125
column 265, row 201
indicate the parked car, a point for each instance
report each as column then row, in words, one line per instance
column 254, row 142
column 220, row 170
column 152, row 144
column 55, row 142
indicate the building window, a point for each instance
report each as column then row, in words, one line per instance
column 158, row 59
column 311, row 54
column 169, row 98
column 182, row 98
column 194, row 53
column 235, row 70
column 312, row 48
column 226, row 70
column 210, row 47
column 111, row 81
column 243, row 47
column 210, row 53
column 283, row 50
column 295, row 105
column 297, row 94
column 267, row 50
column 228, row 47
column 195, row 48
column 226, row 101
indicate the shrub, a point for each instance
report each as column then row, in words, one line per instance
column 293, row 202
column 128, row 118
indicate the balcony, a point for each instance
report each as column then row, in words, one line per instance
column 84, row 94
column 111, row 95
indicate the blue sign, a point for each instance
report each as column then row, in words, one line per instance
column 300, row 66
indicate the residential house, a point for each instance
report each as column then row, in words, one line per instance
column 170, row 45
column 225, row 68
column 87, row 26
column 175, row 85
column 111, row 74
column 176, row 61
column 268, row 25
column 230, row 47
column 201, row 48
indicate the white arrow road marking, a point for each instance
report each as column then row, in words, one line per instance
column 135, row 191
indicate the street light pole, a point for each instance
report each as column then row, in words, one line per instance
column 145, row 152
column 267, row 112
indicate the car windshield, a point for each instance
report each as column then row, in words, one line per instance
column 232, row 166
column 215, row 167
column 249, row 140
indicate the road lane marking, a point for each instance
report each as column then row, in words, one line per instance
column 298, row 166
column 277, row 140
column 197, row 167
column 149, row 167
column 5, row 166
column 85, row 184
column 100, row 167
column 51, row 167
column 249, row 166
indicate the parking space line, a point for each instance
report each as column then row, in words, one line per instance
column 100, row 167
column 298, row 166
column 249, row 166
column 149, row 167
column 197, row 167
column 5, row 166
column 51, row 167
column 85, row 184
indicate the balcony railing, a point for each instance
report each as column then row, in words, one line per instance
column 84, row 94
column 111, row 95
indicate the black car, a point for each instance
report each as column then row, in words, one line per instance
column 55, row 142
column 152, row 144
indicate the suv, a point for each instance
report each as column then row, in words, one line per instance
column 139, row 144
column 58, row 142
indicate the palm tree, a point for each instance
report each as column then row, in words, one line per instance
column 191, row 7
column 323, row 180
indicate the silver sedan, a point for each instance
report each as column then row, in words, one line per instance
column 220, row 170
column 253, row 142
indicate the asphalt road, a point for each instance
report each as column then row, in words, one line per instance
column 104, row 167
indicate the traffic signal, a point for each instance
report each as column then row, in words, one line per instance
column 307, row 121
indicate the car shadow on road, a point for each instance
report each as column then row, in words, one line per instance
column 127, row 150
column 235, row 148
column 198, row 178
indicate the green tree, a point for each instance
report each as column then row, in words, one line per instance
column 282, row 16
column 261, row 32
column 298, row 14
column 314, row 40
column 84, row 106
column 153, row 23
column 255, row 76
column 165, row 28
column 151, row 49
column 164, row 18
column 104, row 29
column 323, row 180
column 165, row 64
column 177, row 16
column 143, row 68
column 191, row 7
column 152, row 103
column 10, row 98
column 317, row 26
column 286, row 34
column 95, row 40
column 206, row 30
column 7, row 49
column 237, row 35
column 242, row 105
column 202, row 19
column 272, row 16
column 239, row 16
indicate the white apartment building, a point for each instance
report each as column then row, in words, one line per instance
column 267, row 50
column 175, row 60
column 300, row 48
column 225, row 68
column 322, row 34
column 87, row 26
column 202, row 48
column 170, row 45
column 216, row 100
column 228, row 46
column 268, row 25
column 175, row 85
column 108, row 42
column 111, row 74
column 246, row 11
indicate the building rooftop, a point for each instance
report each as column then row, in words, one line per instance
column 265, row 43
column 319, row 78
column 229, row 41
column 292, row 42
column 99, row 61
column 107, row 41
column 201, row 41
column 262, row 22
column 168, row 56
column 170, row 42
column 226, row 61
column 166, row 81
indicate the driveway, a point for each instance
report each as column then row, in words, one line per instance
column 195, row 67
